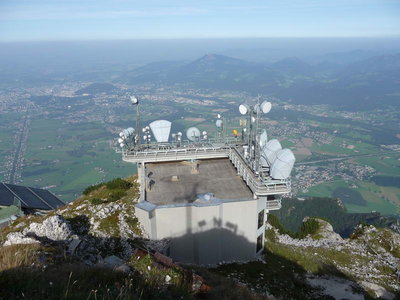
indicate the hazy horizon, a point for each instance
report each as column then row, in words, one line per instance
column 101, row 20
column 146, row 51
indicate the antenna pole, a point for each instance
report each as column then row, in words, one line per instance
column 138, row 129
column 256, row 146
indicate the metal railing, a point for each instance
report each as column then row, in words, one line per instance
column 274, row 204
column 257, row 185
column 188, row 153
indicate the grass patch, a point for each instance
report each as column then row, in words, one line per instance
column 77, row 281
column 118, row 184
column 110, row 224
column 95, row 201
column 92, row 188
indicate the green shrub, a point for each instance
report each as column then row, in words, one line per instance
column 311, row 226
column 116, row 195
column 92, row 188
column 270, row 235
column 119, row 184
column 274, row 221
column 96, row 201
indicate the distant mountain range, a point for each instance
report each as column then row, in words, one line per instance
column 366, row 83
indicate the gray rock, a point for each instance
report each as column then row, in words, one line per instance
column 73, row 245
column 380, row 292
column 123, row 268
column 113, row 261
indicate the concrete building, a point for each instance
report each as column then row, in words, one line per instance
column 208, row 198
column 208, row 209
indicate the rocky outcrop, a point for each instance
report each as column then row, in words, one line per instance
column 325, row 237
column 371, row 255
column 54, row 228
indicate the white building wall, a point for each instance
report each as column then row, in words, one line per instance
column 206, row 234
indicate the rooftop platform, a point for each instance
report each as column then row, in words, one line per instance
column 180, row 182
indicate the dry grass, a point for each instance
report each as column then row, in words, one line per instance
column 16, row 256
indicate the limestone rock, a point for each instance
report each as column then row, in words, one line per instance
column 379, row 291
column 55, row 228
column 18, row 238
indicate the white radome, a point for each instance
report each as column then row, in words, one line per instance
column 269, row 152
column 283, row 165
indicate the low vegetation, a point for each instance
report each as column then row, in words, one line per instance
column 309, row 227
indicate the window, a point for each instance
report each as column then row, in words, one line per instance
column 260, row 219
column 259, row 243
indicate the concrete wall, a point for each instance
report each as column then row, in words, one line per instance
column 206, row 234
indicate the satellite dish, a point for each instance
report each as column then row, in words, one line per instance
column 193, row 134
column 263, row 138
column 283, row 165
column 219, row 116
column 126, row 133
column 269, row 152
column 266, row 107
column 130, row 131
column 244, row 109
column 218, row 123
column 134, row 100
column 120, row 140
column 161, row 130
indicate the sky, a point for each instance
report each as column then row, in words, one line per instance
column 49, row 20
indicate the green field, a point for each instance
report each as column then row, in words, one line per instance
column 382, row 199
column 69, row 157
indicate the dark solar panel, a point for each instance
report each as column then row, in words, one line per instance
column 52, row 200
column 6, row 197
column 28, row 197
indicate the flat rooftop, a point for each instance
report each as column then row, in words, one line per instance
column 181, row 182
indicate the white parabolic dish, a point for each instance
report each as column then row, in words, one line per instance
column 263, row 139
column 266, row 107
column 243, row 109
column 283, row 165
column 161, row 130
column 193, row 134
column 269, row 152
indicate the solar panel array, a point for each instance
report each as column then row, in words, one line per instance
column 29, row 197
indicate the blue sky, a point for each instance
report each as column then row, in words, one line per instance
column 148, row 19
